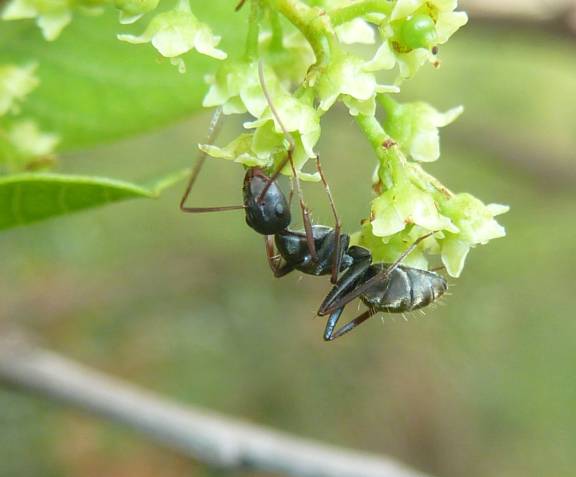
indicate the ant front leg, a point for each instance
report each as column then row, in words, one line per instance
column 288, row 160
column 213, row 131
column 274, row 259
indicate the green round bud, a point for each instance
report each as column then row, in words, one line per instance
column 136, row 7
column 418, row 31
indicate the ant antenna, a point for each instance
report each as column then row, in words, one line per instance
column 239, row 5
column 288, row 159
column 213, row 130
column 289, row 138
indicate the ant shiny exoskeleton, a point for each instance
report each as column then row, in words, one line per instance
column 322, row 250
column 390, row 288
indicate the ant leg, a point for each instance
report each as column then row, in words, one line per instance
column 274, row 259
column 291, row 195
column 331, row 324
column 240, row 5
column 337, row 224
column 288, row 159
column 379, row 277
column 345, row 285
column 348, row 326
column 305, row 214
column 213, row 130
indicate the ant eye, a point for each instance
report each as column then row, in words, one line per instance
column 279, row 210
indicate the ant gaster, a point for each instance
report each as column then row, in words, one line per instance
column 390, row 288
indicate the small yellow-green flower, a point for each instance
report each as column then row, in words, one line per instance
column 23, row 144
column 264, row 148
column 388, row 249
column 476, row 225
column 236, row 87
column 406, row 204
column 414, row 126
column 133, row 10
column 176, row 32
column 347, row 76
column 414, row 29
column 15, row 83
column 51, row 15
column 30, row 141
column 356, row 31
column 292, row 60
column 297, row 116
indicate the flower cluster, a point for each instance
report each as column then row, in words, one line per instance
column 409, row 202
column 51, row 16
column 288, row 78
column 407, row 210
column 236, row 88
column 173, row 32
column 412, row 33
column 22, row 144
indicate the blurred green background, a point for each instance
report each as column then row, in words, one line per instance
column 185, row 305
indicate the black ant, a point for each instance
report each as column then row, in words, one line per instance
column 318, row 250
column 390, row 288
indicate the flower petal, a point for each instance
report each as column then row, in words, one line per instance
column 356, row 31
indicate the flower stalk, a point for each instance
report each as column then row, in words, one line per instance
column 341, row 15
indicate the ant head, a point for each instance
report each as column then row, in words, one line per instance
column 267, row 210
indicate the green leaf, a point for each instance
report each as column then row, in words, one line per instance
column 27, row 198
column 96, row 89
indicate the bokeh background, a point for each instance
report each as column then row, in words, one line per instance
column 185, row 305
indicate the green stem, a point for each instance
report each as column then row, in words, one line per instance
column 276, row 43
column 253, row 31
column 355, row 10
column 373, row 130
column 386, row 149
column 314, row 26
column 388, row 104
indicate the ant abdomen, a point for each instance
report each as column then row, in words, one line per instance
column 406, row 289
column 269, row 214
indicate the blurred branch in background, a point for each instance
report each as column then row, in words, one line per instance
column 556, row 16
column 208, row 437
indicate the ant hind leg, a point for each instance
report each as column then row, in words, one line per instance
column 348, row 326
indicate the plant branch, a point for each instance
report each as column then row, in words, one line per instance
column 312, row 23
column 355, row 10
column 277, row 41
column 208, row 437
column 253, row 30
